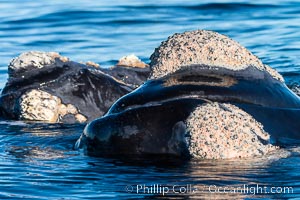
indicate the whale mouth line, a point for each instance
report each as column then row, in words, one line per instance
column 201, row 97
column 204, row 98
column 160, row 102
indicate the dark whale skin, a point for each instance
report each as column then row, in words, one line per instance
column 91, row 90
column 249, row 86
column 159, row 105
column 132, row 133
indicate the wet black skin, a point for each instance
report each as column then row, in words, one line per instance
column 158, row 106
column 249, row 86
column 147, row 130
column 87, row 88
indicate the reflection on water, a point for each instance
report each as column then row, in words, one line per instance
column 38, row 160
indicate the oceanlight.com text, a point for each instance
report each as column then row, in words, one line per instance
column 194, row 189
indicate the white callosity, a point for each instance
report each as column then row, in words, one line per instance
column 221, row 131
column 92, row 64
column 203, row 47
column 35, row 59
column 39, row 105
column 131, row 61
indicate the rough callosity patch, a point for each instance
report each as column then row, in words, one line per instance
column 225, row 131
column 131, row 61
column 92, row 64
column 35, row 59
column 39, row 105
column 203, row 47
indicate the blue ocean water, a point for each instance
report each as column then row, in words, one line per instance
column 37, row 161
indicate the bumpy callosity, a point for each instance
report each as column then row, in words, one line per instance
column 34, row 60
column 39, row 105
column 131, row 61
column 225, row 131
column 203, row 47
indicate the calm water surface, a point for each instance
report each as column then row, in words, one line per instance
column 38, row 161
